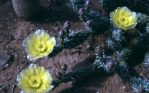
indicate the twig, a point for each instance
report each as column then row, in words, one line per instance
column 13, row 88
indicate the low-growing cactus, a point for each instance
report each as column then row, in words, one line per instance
column 122, row 38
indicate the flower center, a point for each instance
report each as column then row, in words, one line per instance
column 35, row 82
column 123, row 19
column 41, row 47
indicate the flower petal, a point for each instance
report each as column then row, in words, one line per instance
column 35, row 79
column 38, row 45
column 123, row 18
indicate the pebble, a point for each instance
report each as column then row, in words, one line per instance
column 4, row 59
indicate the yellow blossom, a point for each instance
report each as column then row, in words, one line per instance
column 38, row 45
column 35, row 79
column 123, row 18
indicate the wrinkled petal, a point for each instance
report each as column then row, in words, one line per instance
column 38, row 45
column 123, row 18
column 35, row 79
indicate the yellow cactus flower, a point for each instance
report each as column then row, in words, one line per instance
column 38, row 45
column 35, row 79
column 123, row 18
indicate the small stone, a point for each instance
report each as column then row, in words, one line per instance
column 15, row 55
column 21, row 91
column 4, row 59
column 123, row 87
column 97, row 92
column 6, row 65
